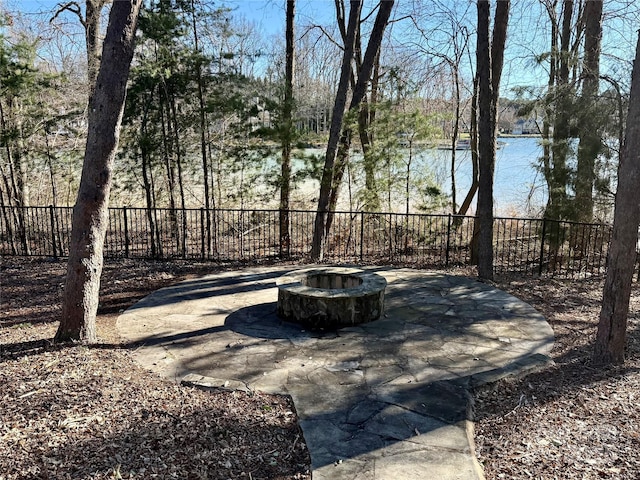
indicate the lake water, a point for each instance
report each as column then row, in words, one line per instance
column 519, row 188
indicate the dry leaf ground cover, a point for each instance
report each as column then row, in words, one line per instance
column 77, row 412
column 573, row 420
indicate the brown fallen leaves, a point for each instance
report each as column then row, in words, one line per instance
column 82, row 412
column 573, row 420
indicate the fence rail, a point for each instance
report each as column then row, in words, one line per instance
column 524, row 245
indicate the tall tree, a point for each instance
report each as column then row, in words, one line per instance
column 367, row 79
column 334, row 133
column 490, row 55
column 589, row 131
column 334, row 170
column 90, row 213
column 286, row 131
column 558, row 206
column 612, row 328
column 202, row 117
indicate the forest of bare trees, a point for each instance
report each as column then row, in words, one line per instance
column 206, row 96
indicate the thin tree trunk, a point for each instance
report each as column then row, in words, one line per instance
column 317, row 246
column 9, row 185
column 364, row 76
column 169, row 163
column 55, row 234
column 203, row 128
column 91, row 211
column 178, row 152
column 145, row 156
column 365, row 120
column 611, row 337
column 454, row 140
column 6, row 209
column 590, row 142
column 287, row 133
column 558, row 207
column 466, row 203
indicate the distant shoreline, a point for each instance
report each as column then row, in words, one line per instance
column 523, row 135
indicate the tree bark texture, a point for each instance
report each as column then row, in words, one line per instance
column 92, row 38
column 612, row 328
column 90, row 213
column 334, row 132
column 490, row 59
column 287, row 132
column 590, row 142
column 486, row 145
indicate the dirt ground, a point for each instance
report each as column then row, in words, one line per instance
column 80, row 412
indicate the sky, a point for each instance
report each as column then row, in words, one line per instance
column 525, row 38
column 268, row 14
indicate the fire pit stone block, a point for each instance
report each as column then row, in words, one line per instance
column 330, row 298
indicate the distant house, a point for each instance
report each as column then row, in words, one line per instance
column 524, row 126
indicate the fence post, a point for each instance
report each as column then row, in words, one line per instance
column 53, row 231
column 544, row 231
column 446, row 257
column 126, row 233
column 390, row 238
column 202, row 233
column 361, row 235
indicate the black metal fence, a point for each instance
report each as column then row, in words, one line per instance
column 523, row 245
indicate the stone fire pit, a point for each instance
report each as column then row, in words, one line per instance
column 330, row 298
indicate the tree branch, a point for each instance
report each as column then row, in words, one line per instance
column 72, row 7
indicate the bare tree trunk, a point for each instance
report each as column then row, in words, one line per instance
column 466, row 203
column 484, row 213
column 182, row 243
column 365, row 70
column 92, row 36
column 365, row 120
column 11, row 191
column 612, row 328
column 90, row 215
column 145, row 157
column 287, row 132
column 317, row 246
column 6, row 211
column 167, row 144
column 454, row 140
column 590, row 142
column 203, row 138
column 558, row 203
column 90, row 21
column 490, row 61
